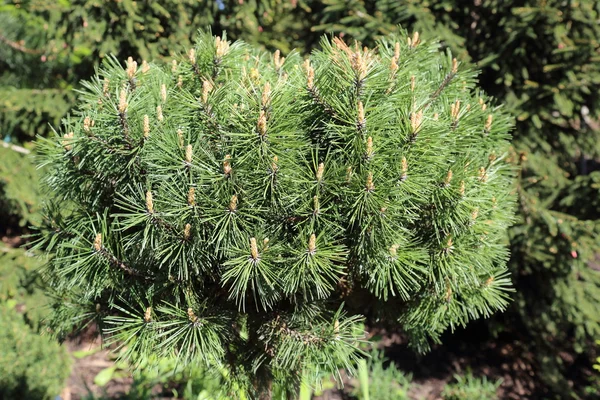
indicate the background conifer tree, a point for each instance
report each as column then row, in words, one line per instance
column 240, row 208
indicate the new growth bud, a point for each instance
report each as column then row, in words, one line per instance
column 123, row 101
column 416, row 119
column 454, row 66
column 233, row 203
column 163, row 92
column 278, row 60
column 227, row 165
column 149, row 202
column 320, row 170
column 146, row 126
column 189, row 154
column 186, row 231
column 361, row 114
column 191, row 197
column 261, row 125
column 145, row 67
column 254, row 249
column 221, row 47
column 191, row 316
column 369, row 152
column 131, row 68
column 369, row 185
column 448, row 178
column 312, row 244
column 266, row 94
column 159, row 114
column 191, row 57
column 310, row 74
column 148, row 315
column 98, row 242
column 206, row 89
column 488, row 123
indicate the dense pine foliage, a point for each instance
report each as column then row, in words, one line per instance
column 226, row 208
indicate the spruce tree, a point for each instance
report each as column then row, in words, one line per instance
column 241, row 209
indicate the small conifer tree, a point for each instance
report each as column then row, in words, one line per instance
column 242, row 210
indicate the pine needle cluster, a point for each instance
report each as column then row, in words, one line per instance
column 242, row 209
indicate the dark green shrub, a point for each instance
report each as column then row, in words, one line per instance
column 32, row 367
column 470, row 387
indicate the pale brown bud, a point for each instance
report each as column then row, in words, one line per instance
column 312, row 244
column 414, row 42
column 393, row 65
column 105, row 87
column 370, row 186
column 163, row 92
column 278, row 60
column 180, row 137
column 149, row 202
column 394, row 250
column 87, row 124
column 361, row 113
column 336, row 327
column 233, row 203
column 489, row 281
column 492, row 157
column 448, row 178
column 159, row 114
column 191, row 197
column 483, row 107
column 436, row 116
column 488, row 122
column 413, row 83
column 145, row 67
column 67, row 141
column 310, row 74
column 98, row 242
column 174, row 65
column 189, row 153
column 221, row 47
column 186, row 231
column 191, row 316
column 227, row 165
column 146, row 126
column 461, row 190
column 207, row 87
column 455, row 110
column 454, row 66
column 180, row 81
column 474, row 213
column 254, row 249
column 348, row 174
column 316, row 206
column 482, row 174
column 148, row 315
column 320, row 171
column 369, row 152
column 123, row 101
column 416, row 119
column 131, row 68
column 254, row 75
column 191, row 56
column 274, row 166
column 404, row 165
column 261, row 125
column 397, row 51
column 266, row 94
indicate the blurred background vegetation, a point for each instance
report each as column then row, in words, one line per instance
column 541, row 58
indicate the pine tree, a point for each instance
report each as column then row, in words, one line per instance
column 240, row 209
